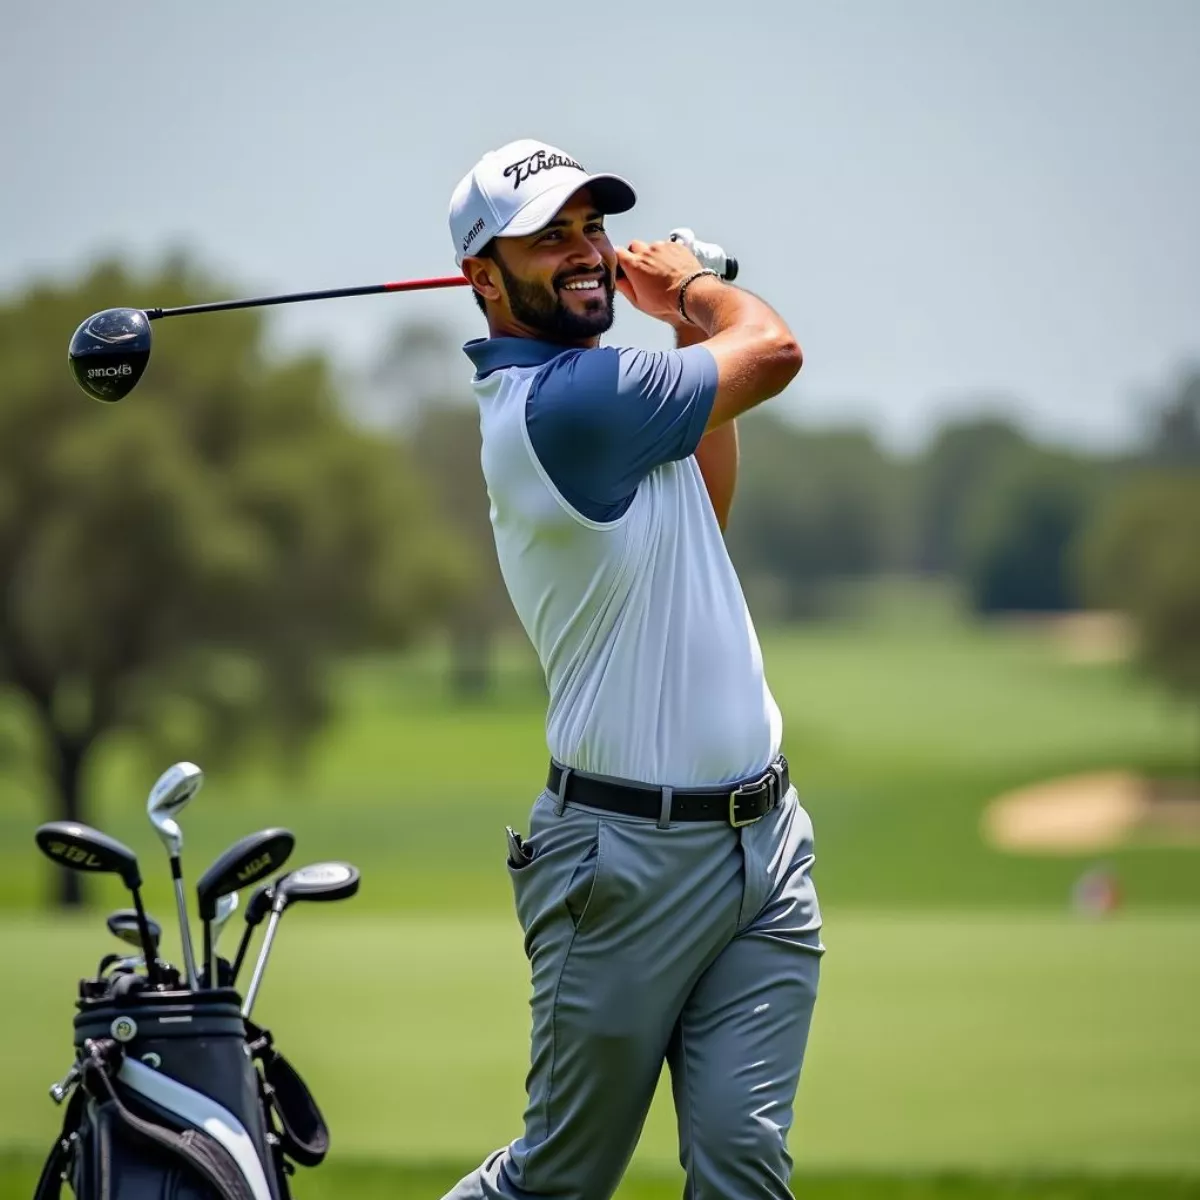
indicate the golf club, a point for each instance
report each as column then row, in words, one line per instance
column 82, row 848
column 319, row 881
column 130, row 963
column 259, row 906
column 123, row 924
column 226, row 907
column 245, row 862
column 173, row 789
column 110, row 349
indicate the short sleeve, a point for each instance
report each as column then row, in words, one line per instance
column 601, row 420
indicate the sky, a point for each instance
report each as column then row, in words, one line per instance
column 956, row 206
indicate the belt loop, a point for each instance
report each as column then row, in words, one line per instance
column 561, row 799
column 664, row 813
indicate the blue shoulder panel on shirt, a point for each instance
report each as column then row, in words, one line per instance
column 494, row 354
column 601, row 420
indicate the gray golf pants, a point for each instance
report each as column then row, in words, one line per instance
column 697, row 944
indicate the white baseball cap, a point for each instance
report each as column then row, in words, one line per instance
column 518, row 189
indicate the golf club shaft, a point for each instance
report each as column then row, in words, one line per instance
column 239, row 958
column 373, row 289
column 185, row 932
column 149, row 946
column 261, row 965
column 209, row 966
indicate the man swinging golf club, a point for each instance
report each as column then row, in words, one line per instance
column 665, row 886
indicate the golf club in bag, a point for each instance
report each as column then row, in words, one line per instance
column 174, row 1093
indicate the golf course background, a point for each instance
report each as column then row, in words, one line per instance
column 976, row 1035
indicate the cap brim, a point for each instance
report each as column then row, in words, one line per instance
column 611, row 194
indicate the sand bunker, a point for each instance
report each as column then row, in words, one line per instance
column 1095, row 812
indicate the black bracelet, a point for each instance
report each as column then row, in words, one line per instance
column 683, row 287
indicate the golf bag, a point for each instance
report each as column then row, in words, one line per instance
column 177, row 1097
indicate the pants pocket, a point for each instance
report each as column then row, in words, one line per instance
column 582, row 888
column 555, row 874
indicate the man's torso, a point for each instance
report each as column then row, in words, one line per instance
column 635, row 611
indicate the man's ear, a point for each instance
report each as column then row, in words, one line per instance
column 484, row 277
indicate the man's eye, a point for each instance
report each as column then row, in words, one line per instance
column 551, row 236
column 596, row 229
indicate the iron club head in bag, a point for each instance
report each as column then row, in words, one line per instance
column 226, row 907
column 170, row 793
column 245, row 862
column 319, row 881
column 82, row 848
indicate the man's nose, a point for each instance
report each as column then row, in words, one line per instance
column 584, row 252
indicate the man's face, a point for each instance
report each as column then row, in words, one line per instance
column 556, row 283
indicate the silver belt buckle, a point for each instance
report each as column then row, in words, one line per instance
column 762, row 784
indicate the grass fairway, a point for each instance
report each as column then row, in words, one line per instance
column 384, row 1181
column 898, row 738
column 972, row 1041
column 1009, row 1043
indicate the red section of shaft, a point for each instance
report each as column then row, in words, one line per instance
column 371, row 289
column 417, row 285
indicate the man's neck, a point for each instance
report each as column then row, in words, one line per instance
column 501, row 326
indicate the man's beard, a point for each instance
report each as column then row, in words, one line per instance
column 542, row 308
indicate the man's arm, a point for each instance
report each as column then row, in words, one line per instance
column 717, row 454
column 756, row 354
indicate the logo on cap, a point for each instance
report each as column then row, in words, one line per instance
column 473, row 233
column 539, row 160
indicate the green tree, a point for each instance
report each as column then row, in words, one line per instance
column 1141, row 555
column 425, row 373
column 1174, row 435
column 1019, row 530
column 185, row 566
column 812, row 508
column 955, row 466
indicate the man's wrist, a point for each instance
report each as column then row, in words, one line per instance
column 697, row 278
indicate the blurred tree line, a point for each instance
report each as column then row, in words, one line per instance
column 187, row 567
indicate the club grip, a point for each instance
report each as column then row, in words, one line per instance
column 710, row 254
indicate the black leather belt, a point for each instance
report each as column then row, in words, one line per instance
column 740, row 803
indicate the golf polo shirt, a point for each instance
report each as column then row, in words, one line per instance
column 615, row 563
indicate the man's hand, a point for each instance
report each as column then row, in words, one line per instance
column 653, row 274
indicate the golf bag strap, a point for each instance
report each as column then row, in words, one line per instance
column 49, row 1184
column 303, row 1133
column 207, row 1158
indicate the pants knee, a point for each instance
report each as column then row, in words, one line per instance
column 744, row 1157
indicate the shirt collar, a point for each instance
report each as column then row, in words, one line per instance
column 493, row 354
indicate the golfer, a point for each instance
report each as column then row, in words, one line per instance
column 664, row 887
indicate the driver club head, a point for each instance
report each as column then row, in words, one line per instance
column 82, row 848
column 245, row 862
column 318, row 881
column 109, row 351
column 322, row 881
